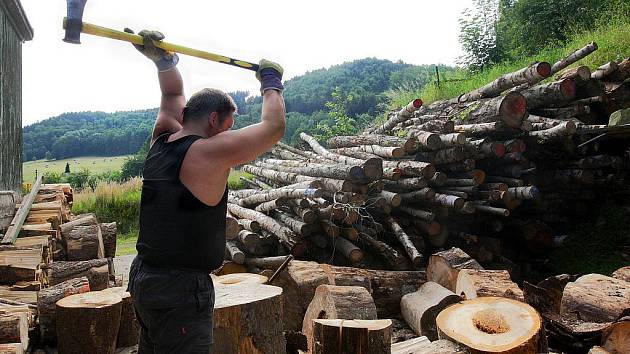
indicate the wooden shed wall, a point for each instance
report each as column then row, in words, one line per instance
column 10, row 106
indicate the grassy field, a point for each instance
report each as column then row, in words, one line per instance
column 95, row 164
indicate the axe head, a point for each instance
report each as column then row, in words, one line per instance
column 74, row 21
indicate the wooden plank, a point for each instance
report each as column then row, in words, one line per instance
column 22, row 213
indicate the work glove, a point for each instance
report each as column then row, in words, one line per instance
column 270, row 76
column 163, row 59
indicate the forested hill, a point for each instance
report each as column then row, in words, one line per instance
column 362, row 85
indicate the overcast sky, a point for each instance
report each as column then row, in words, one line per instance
column 108, row 75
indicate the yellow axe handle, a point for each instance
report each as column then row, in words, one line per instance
column 136, row 39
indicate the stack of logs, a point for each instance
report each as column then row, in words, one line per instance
column 55, row 256
column 520, row 157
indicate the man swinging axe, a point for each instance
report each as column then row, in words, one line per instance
column 184, row 201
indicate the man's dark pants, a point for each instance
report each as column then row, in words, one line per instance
column 174, row 308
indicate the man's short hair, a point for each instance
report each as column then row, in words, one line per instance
column 206, row 101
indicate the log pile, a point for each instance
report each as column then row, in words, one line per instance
column 49, row 255
column 497, row 172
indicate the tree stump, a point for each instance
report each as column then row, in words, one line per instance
column 596, row 298
column 298, row 282
column 422, row 307
column 248, row 319
column 616, row 338
column 337, row 336
column 444, row 266
column 84, row 243
column 109, row 230
column 88, row 322
column 493, row 325
column 240, row 278
column 474, row 283
column 338, row 302
column 14, row 328
column 48, row 297
column 129, row 330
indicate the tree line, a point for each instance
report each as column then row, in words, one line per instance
column 366, row 82
column 494, row 31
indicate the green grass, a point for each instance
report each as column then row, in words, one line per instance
column 95, row 164
column 612, row 40
column 126, row 243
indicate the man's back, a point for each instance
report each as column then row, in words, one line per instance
column 177, row 229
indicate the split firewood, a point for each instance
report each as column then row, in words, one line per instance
column 12, row 348
column 596, row 298
column 352, row 336
column 493, row 325
column 88, row 322
column 337, row 302
column 473, row 283
column 422, row 345
column 96, row 270
column 444, row 267
column 84, row 243
column 20, row 264
column 235, row 307
column 108, row 232
column 14, row 329
column 48, row 297
column 420, row 308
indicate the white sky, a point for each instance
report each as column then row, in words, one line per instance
column 107, row 75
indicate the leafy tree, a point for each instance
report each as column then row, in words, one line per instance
column 478, row 34
column 48, row 156
column 52, row 177
column 67, row 170
column 79, row 180
column 338, row 113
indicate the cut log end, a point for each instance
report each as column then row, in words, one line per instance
column 493, row 325
column 513, row 109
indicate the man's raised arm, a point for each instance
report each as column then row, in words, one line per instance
column 235, row 147
column 169, row 118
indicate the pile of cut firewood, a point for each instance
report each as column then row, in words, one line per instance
column 48, row 254
column 455, row 306
column 523, row 157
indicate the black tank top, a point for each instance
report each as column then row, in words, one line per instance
column 177, row 230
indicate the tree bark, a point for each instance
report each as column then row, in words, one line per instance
column 422, row 214
column 281, row 193
column 573, row 57
column 555, row 93
column 14, row 328
column 284, row 234
column 337, row 302
column 404, row 239
column 581, row 72
column 88, row 322
column 337, row 171
column 399, row 117
column 234, row 330
column 604, row 70
column 409, row 144
column 444, row 267
column 48, row 297
column 420, row 308
column 530, row 75
column 84, row 243
column 510, row 109
column 108, row 231
column 493, row 325
column 96, row 270
column 352, row 336
column 406, row 184
column 86, row 219
column 596, row 298
column 381, row 151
